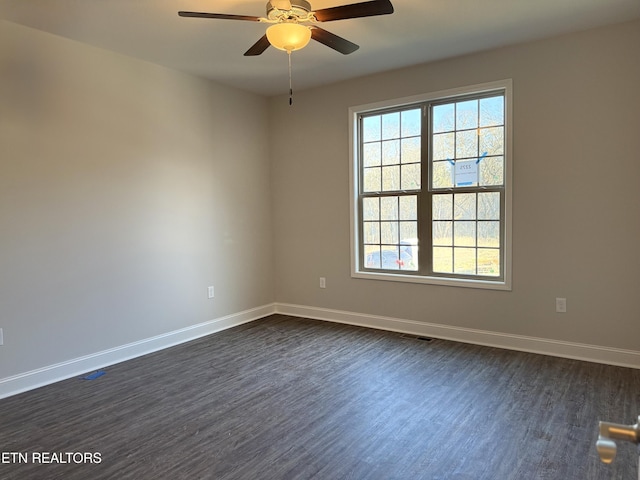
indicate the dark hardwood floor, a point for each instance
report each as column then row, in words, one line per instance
column 291, row 398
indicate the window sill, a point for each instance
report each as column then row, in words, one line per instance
column 447, row 282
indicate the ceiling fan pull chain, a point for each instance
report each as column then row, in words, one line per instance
column 290, row 87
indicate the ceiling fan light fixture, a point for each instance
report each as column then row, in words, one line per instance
column 288, row 36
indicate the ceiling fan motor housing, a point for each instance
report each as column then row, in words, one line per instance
column 300, row 10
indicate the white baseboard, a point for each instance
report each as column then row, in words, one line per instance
column 556, row 348
column 61, row 371
column 75, row 367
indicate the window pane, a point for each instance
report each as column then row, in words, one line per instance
column 391, row 125
column 371, row 128
column 442, row 175
column 465, row 206
column 489, row 262
column 409, row 254
column 371, row 208
column 492, row 140
column 443, row 259
column 443, row 116
column 464, row 261
column 372, row 179
column 492, row 171
column 391, row 259
column 443, row 233
column 390, row 178
column 492, row 111
column 411, row 176
column 467, row 114
column 411, row 122
column 389, row 208
column 467, row 144
column 442, row 207
column 371, row 154
column 489, row 206
column 372, row 256
column 391, row 152
column 465, row 234
column 489, row 234
column 410, row 152
column 408, row 232
column 443, row 146
column 389, row 232
column 409, row 208
column 371, row 232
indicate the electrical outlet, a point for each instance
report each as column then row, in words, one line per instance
column 323, row 282
column 210, row 292
column 561, row 305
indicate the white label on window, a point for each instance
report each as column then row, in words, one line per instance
column 466, row 173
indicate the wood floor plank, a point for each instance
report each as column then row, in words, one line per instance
column 292, row 398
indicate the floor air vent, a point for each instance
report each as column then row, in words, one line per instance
column 416, row 337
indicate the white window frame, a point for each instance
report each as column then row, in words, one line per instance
column 356, row 111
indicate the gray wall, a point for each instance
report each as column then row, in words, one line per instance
column 125, row 190
column 576, row 205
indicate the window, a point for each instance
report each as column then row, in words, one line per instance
column 431, row 193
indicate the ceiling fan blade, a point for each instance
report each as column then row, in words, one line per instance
column 281, row 4
column 332, row 40
column 258, row 47
column 222, row 16
column 355, row 10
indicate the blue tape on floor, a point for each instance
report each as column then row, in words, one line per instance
column 94, row 375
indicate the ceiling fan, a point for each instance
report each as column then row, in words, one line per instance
column 294, row 24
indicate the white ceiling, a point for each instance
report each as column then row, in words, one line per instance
column 418, row 31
